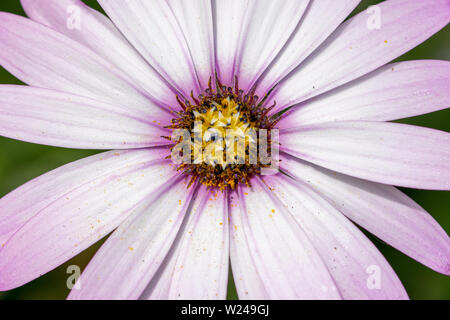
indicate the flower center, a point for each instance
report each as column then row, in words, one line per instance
column 221, row 135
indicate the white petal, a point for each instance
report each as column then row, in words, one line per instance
column 229, row 18
column 268, row 27
column 319, row 21
column 153, row 30
column 65, row 120
column 357, row 48
column 248, row 282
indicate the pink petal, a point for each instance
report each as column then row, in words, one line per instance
column 125, row 264
column 280, row 255
column 44, row 58
column 319, row 21
column 34, row 196
column 196, row 21
column 396, row 91
column 54, row 217
column 197, row 266
column 153, row 30
column 98, row 33
column 381, row 209
column 267, row 27
column 389, row 153
column 61, row 119
column 349, row 256
column 355, row 49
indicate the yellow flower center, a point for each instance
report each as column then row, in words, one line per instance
column 222, row 124
column 223, row 135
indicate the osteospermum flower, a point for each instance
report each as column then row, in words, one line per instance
column 123, row 83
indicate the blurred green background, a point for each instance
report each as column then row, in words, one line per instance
column 20, row 162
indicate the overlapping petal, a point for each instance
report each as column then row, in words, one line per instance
column 65, row 120
column 266, row 29
column 381, row 209
column 247, row 279
column 357, row 267
column 152, row 28
column 285, row 263
column 56, row 216
column 125, row 264
column 229, row 22
column 110, row 84
column 396, row 91
column 89, row 27
column 42, row 57
column 358, row 47
column 197, row 266
column 308, row 37
column 389, row 153
column 196, row 21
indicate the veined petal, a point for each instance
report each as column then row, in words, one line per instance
column 267, row 28
column 248, row 281
column 357, row 48
column 54, row 217
column 65, row 120
column 125, row 264
column 153, row 30
column 281, row 253
column 229, row 17
column 197, row 267
column 381, row 209
column 22, row 204
column 42, row 57
column 319, row 21
column 389, row 153
column 357, row 267
column 196, row 21
column 89, row 27
column 396, row 91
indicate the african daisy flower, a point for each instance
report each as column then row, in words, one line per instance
column 126, row 82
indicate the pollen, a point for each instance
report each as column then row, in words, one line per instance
column 223, row 126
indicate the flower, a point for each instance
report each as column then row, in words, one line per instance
column 124, row 84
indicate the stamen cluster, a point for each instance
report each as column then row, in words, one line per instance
column 220, row 110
